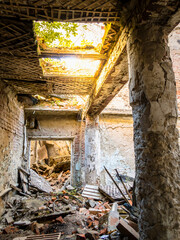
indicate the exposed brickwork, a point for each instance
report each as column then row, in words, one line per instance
column 11, row 132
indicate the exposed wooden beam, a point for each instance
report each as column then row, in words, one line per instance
column 94, row 56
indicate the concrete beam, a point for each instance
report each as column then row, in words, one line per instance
column 47, row 111
column 108, row 84
column 111, row 80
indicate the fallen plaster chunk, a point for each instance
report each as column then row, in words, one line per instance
column 39, row 182
column 22, row 223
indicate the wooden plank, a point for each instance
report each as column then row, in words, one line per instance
column 3, row 193
column 72, row 54
column 51, row 236
column 24, row 171
column 106, row 194
column 51, row 216
column 127, row 230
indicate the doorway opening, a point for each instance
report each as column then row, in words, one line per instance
column 51, row 159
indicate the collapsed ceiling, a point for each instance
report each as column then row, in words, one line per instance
column 20, row 55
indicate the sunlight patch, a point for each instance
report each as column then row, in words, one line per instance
column 70, row 66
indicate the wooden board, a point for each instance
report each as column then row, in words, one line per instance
column 52, row 236
column 125, row 229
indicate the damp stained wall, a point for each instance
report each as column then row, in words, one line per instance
column 11, row 132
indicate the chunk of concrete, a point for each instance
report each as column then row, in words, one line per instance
column 39, row 182
column 113, row 218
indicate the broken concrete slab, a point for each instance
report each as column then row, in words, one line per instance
column 39, row 182
column 8, row 218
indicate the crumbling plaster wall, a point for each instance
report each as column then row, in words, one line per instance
column 174, row 45
column 117, row 147
column 61, row 127
column 11, row 132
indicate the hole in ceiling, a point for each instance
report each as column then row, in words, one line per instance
column 69, row 36
column 66, row 44
column 70, row 67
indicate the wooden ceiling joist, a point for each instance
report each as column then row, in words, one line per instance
column 73, row 54
column 52, row 13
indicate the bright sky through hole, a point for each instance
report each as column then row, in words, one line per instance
column 90, row 34
column 88, row 38
column 70, row 66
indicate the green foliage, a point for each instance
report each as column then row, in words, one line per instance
column 51, row 32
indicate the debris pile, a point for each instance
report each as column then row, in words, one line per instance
column 51, row 160
column 67, row 214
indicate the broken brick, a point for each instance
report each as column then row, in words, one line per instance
column 66, row 197
column 10, row 229
column 106, row 205
column 60, row 219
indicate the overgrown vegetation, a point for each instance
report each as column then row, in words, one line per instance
column 67, row 35
column 50, row 33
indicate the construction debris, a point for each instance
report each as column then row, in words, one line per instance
column 53, row 236
column 39, row 182
column 126, row 230
column 113, row 218
column 67, row 213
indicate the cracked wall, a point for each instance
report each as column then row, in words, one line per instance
column 117, row 146
column 11, row 132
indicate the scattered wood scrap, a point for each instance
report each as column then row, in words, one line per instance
column 51, row 216
column 3, row 193
column 126, row 230
column 52, row 236
column 24, row 176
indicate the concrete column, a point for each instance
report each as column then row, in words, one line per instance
column 92, row 150
column 153, row 101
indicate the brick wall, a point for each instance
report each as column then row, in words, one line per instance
column 11, row 132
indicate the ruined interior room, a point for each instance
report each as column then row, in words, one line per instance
column 89, row 120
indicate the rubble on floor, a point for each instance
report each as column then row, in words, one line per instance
column 67, row 213
column 51, row 160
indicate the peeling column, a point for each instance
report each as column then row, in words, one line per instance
column 92, row 150
column 153, row 101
